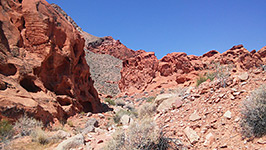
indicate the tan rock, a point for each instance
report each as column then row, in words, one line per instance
column 168, row 104
column 209, row 139
column 194, row 117
column 243, row 76
column 191, row 135
column 125, row 120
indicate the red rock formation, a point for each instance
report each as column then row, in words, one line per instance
column 138, row 72
column 141, row 73
column 42, row 65
column 107, row 45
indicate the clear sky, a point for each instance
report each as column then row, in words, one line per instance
column 165, row 26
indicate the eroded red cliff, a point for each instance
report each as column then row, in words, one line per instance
column 42, row 67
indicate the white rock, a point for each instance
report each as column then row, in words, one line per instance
column 72, row 142
column 244, row 76
column 228, row 114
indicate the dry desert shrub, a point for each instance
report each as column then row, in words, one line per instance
column 146, row 110
column 141, row 135
column 253, row 120
column 40, row 136
column 120, row 102
column 25, row 125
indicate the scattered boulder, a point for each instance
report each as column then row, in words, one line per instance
column 92, row 122
column 90, row 126
column 125, row 120
column 167, row 104
column 73, row 142
column 243, row 76
column 209, row 139
column 191, row 135
column 194, row 117
column 62, row 134
column 228, row 114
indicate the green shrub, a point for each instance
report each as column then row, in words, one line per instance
column 25, row 125
column 5, row 130
column 211, row 75
column 253, row 120
column 150, row 99
column 201, row 79
column 109, row 101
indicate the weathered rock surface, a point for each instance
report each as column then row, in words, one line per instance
column 73, row 142
column 42, row 63
column 105, row 71
column 191, row 135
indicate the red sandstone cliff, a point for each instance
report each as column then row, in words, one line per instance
column 42, row 67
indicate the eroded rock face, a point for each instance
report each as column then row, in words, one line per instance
column 143, row 71
column 42, row 63
column 110, row 46
column 138, row 72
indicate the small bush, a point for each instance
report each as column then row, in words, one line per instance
column 120, row 102
column 39, row 136
column 222, row 73
column 253, row 120
column 122, row 112
column 109, row 101
column 146, row 110
column 201, row 79
column 211, row 75
column 150, row 99
column 25, row 125
column 5, row 130
column 70, row 123
column 141, row 135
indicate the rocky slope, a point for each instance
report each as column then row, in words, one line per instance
column 43, row 71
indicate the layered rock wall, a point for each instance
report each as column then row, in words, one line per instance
column 42, row 63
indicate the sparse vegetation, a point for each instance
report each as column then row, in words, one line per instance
column 109, row 101
column 122, row 112
column 150, row 99
column 201, row 79
column 25, row 125
column 120, row 102
column 146, row 110
column 222, row 73
column 5, row 130
column 70, row 123
column 143, row 135
column 39, row 136
column 211, row 75
column 253, row 120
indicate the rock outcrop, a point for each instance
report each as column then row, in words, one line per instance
column 43, row 71
column 142, row 71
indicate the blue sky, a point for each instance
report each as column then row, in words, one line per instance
column 190, row 26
